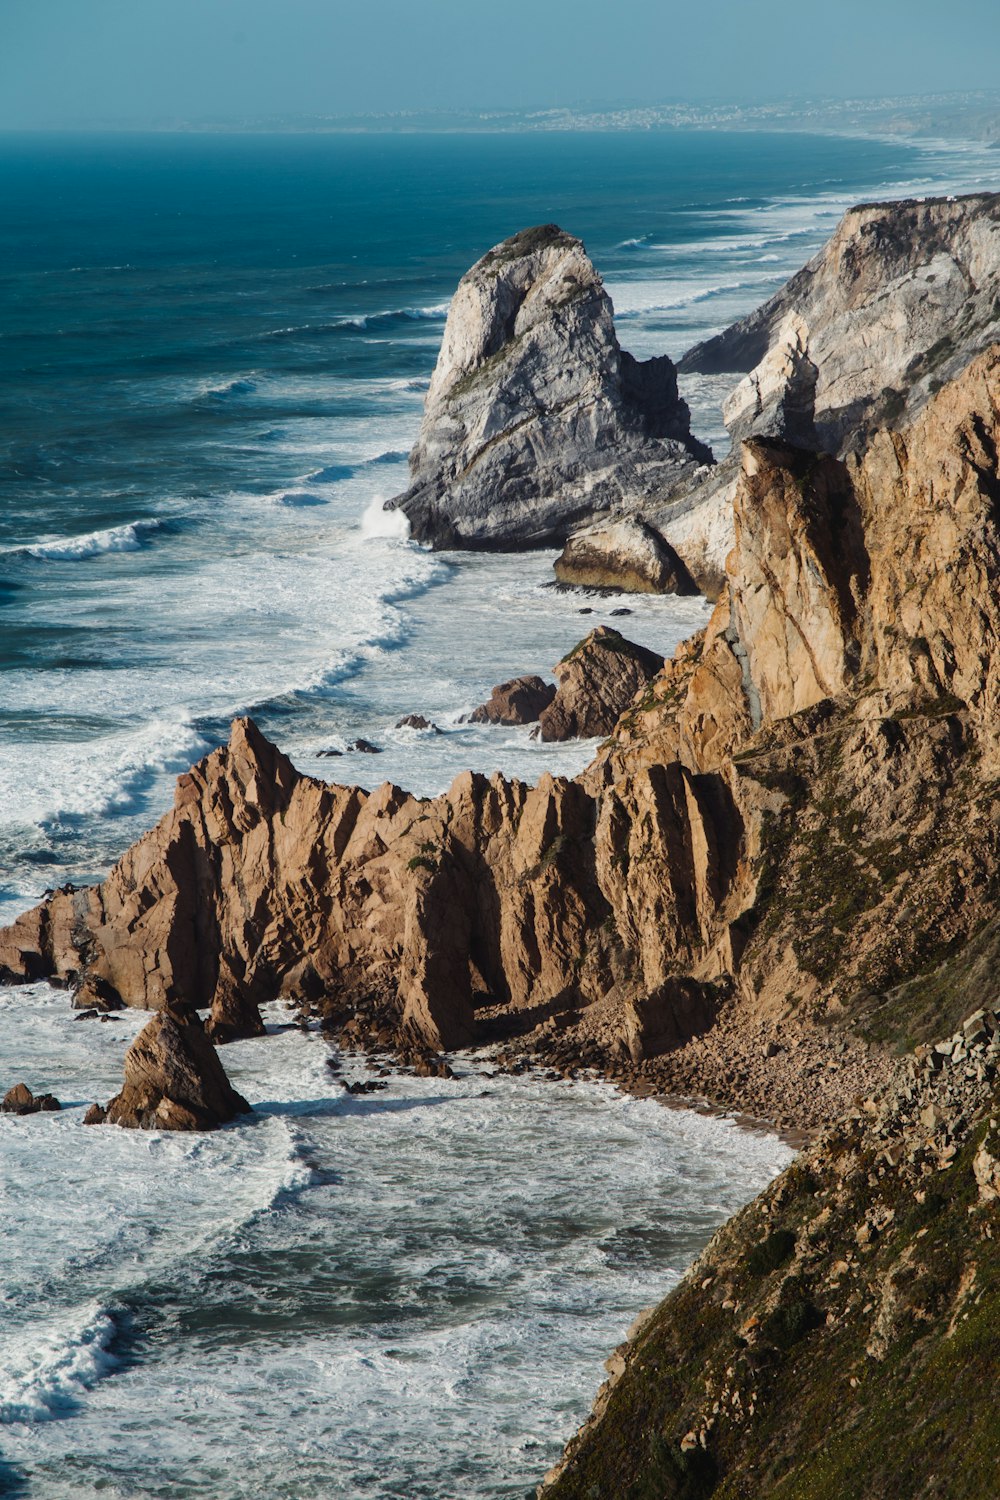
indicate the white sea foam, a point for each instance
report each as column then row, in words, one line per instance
column 642, row 299
column 361, row 321
column 127, row 538
column 290, row 1265
column 379, row 522
column 101, row 777
column 65, row 1360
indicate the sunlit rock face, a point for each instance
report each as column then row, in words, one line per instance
column 536, row 420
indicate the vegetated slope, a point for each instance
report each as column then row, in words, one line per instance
column 839, row 1339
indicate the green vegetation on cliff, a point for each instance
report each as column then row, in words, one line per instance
column 836, row 1339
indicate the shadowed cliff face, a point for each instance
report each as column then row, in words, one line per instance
column 797, row 809
column 846, row 692
column 536, row 420
column 862, row 614
column 838, row 1338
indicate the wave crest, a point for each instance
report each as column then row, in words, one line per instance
column 127, row 538
column 60, row 1369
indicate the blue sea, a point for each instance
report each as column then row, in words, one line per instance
column 213, row 355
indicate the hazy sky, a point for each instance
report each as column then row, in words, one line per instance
column 73, row 61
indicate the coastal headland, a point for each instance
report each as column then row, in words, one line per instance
column 774, row 887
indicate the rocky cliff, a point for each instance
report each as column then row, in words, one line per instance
column 849, row 679
column 793, row 821
column 895, row 305
column 537, row 424
column 838, row 1339
column 785, row 857
column 536, row 420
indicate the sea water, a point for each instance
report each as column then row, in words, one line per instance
column 214, row 352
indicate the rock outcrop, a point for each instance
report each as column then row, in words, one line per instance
column 536, row 421
column 597, row 681
column 519, row 701
column 863, row 1280
column 19, row 1100
column 623, row 553
column 895, row 305
column 173, row 1079
column 794, row 818
column 493, row 896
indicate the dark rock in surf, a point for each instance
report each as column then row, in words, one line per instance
column 597, row 682
column 519, row 701
column 94, row 994
column 417, row 721
column 174, row 1079
column 21, row 1101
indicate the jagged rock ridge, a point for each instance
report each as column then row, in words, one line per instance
column 536, row 420
column 788, row 812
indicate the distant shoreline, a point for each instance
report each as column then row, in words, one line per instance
column 969, row 118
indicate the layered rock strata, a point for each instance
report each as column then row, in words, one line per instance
column 897, row 304
column 536, row 420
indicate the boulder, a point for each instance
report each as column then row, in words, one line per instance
column 671, row 1015
column 417, row 721
column 623, row 553
column 519, row 701
column 18, row 1100
column 597, row 682
column 21, row 1101
column 93, row 994
column 174, row 1079
column 986, row 1168
column 536, row 421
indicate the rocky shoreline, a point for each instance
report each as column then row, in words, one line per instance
column 779, row 876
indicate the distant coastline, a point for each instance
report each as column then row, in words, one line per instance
column 972, row 116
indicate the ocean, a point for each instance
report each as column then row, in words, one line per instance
column 213, row 354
